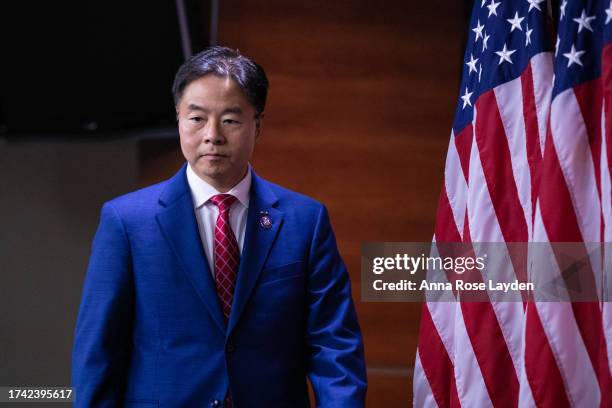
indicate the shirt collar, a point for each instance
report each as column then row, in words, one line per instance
column 201, row 191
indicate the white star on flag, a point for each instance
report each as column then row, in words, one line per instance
column 479, row 71
column 485, row 39
column 478, row 30
column 573, row 56
column 516, row 22
column 534, row 4
column 562, row 9
column 528, row 34
column 584, row 21
column 557, row 46
column 466, row 98
column 504, row 55
column 472, row 64
column 483, row 3
column 493, row 7
column 609, row 13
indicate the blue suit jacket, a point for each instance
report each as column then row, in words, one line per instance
column 150, row 330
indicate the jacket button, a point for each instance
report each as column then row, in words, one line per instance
column 215, row 403
column 230, row 348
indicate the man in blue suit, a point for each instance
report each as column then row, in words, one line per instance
column 215, row 287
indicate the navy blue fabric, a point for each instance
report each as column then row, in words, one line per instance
column 150, row 330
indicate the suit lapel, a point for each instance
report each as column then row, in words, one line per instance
column 257, row 244
column 179, row 226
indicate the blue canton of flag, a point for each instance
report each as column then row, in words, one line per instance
column 503, row 37
column 579, row 42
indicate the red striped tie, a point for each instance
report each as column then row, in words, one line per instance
column 227, row 258
column 227, row 254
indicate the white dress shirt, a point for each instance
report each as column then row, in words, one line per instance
column 206, row 212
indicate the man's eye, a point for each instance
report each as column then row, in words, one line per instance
column 196, row 119
column 230, row 122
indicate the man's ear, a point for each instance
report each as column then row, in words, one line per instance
column 258, row 124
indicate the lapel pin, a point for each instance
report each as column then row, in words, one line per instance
column 264, row 220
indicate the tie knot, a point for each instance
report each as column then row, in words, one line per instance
column 223, row 201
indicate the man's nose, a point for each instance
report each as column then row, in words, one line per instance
column 212, row 133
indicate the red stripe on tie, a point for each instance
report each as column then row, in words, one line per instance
column 226, row 253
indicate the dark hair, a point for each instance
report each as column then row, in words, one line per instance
column 224, row 62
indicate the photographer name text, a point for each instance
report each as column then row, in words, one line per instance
column 457, row 285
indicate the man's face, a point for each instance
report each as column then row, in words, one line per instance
column 218, row 128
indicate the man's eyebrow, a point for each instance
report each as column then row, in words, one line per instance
column 232, row 109
column 193, row 106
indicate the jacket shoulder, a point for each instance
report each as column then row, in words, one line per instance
column 294, row 203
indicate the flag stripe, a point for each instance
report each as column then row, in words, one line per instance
column 566, row 119
column 456, row 187
column 480, row 318
column 589, row 320
column 423, row 394
column 525, row 395
column 496, row 164
column 542, row 71
column 436, row 364
column 473, row 386
column 606, row 191
column 463, row 144
column 555, row 202
column 510, row 101
column 570, row 352
column 607, row 318
column 532, row 136
column 541, row 369
column 607, row 93
column 484, row 227
column 589, row 98
column 582, row 185
column 446, row 230
column 491, row 351
column 606, row 180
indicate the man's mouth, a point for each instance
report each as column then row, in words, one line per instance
column 213, row 155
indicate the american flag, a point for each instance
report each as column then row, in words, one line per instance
column 528, row 161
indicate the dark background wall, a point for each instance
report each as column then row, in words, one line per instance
column 359, row 113
column 50, row 197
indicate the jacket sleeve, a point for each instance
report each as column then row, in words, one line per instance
column 336, row 365
column 103, row 332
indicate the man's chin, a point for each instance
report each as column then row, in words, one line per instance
column 212, row 175
column 209, row 174
column 204, row 166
